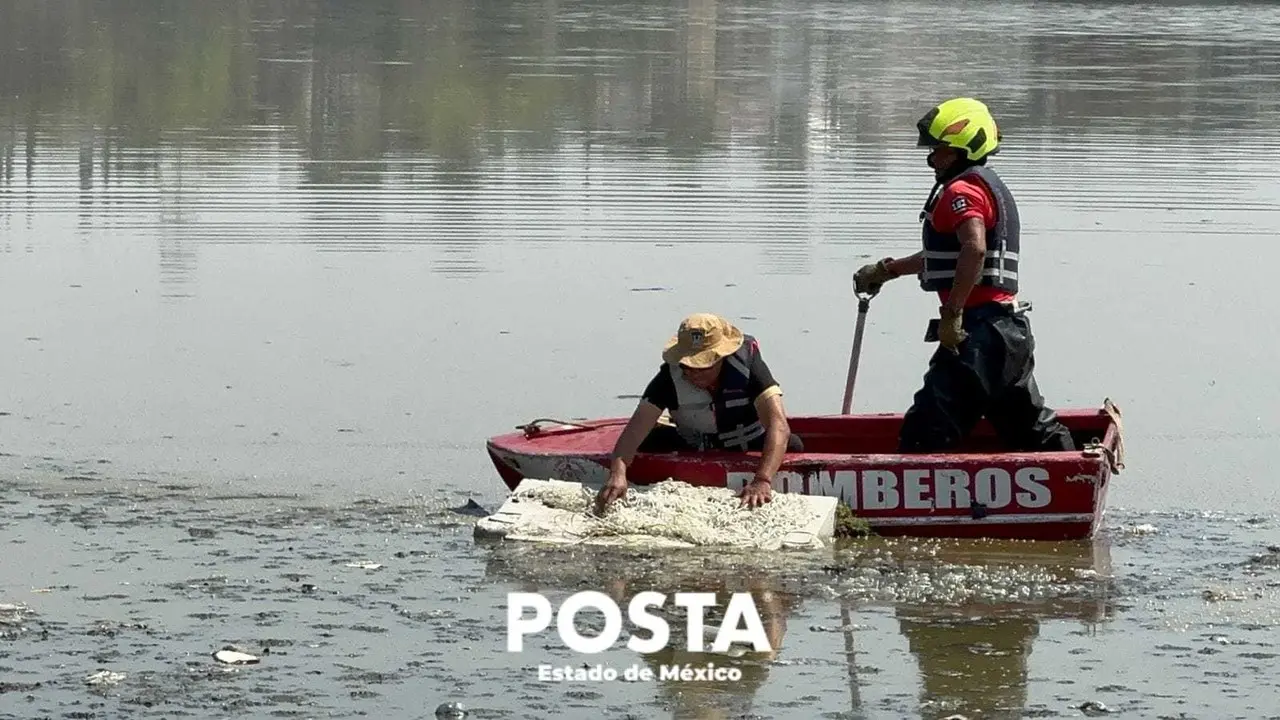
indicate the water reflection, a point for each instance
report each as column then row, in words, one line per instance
column 970, row 614
column 368, row 126
column 466, row 80
column 622, row 574
column 709, row 698
column 973, row 655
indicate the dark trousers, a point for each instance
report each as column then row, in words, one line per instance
column 990, row 377
column 665, row 439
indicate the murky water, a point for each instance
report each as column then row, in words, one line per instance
column 273, row 270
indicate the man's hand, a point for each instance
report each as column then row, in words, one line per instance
column 870, row 278
column 950, row 331
column 638, row 427
column 613, row 489
column 759, row 492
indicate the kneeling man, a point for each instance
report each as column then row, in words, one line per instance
column 720, row 395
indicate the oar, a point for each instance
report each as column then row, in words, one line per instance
column 846, row 620
column 850, row 659
column 864, row 304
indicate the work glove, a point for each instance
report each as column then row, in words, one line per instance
column 950, row 331
column 870, row 278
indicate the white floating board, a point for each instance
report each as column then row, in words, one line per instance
column 531, row 521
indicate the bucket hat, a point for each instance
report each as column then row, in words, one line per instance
column 702, row 340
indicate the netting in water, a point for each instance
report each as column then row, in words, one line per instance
column 677, row 510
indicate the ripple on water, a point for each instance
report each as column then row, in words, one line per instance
column 297, row 589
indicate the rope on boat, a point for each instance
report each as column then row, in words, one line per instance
column 532, row 427
column 1115, row 458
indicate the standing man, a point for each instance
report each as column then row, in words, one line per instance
column 983, row 366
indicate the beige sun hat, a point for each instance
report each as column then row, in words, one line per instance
column 703, row 338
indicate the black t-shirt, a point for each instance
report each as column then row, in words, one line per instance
column 661, row 390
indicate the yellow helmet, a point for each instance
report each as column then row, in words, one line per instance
column 962, row 123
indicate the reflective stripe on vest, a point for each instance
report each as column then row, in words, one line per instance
column 1000, row 264
column 743, row 435
column 736, row 363
column 942, row 250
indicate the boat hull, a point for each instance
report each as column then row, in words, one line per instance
column 977, row 491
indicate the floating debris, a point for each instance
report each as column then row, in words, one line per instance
column 364, row 565
column 104, row 677
column 451, row 710
column 850, row 525
column 1270, row 557
column 11, row 614
column 235, row 657
column 1093, row 707
column 111, row 629
column 472, row 508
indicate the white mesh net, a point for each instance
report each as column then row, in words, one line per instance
column 677, row 510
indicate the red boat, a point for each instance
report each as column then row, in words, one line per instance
column 976, row 491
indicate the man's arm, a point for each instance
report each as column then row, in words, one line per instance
column 909, row 265
column 638, row 427
column 624, row 451
column 973, row 250
column 776, row 434
column 766, row 395
column 659, row 395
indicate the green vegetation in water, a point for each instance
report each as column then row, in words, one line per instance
column 848, row 524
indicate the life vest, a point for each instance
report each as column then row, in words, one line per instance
column 942, row 250
column 725, row 419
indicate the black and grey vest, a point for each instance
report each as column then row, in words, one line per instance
column 942, row 250
column 725, row 419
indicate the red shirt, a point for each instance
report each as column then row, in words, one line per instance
column 961, row 200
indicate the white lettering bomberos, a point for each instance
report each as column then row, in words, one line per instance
column 915, row 489
column 741, row 608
